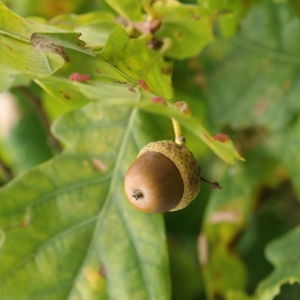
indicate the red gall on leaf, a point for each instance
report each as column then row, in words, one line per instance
column 159, row 100
column 143, row 84
column 221, row 137
column 79, row 77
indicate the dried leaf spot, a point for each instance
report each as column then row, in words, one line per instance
column 132, row 89
column 56, row 8
column 80, row 42
column 65, row 94
column 44, row 44
column 221, row 137
column 2, row 238
column 261, row 107
column 103, row 271
column 99, row 165
column 225, row 216
column 8, row 47
column 92, row 276
column 79, row 77
column 25, row 222
column 167, row 70
column 203, row 250
column 155, row 44
column 180, row 35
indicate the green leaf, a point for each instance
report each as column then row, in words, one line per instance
column 74, row 92
column 45, row 50
column 221, row 144
column 245, row 88
column 130, row 9
column 237, row 295
column 226, row 216
column 68, row 224
column 95, row 33
column 122, row 64
column 221, row 281
column 284, row 145
column 15, row 34
column 94, row 27
column 264, row 99
column 17, row 69
column 227, row 14
column 187, row 26
column 182, row 261
column 17, row 27
column 283, row 254
column 136, row 60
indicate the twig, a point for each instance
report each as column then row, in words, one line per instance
column 179, row 138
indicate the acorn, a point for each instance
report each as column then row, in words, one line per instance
column 164, row 177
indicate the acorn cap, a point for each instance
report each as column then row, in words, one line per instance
column 185, row 162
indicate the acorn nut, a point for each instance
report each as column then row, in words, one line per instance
column 164, row 177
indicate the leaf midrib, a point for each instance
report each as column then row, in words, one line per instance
column 107, row 203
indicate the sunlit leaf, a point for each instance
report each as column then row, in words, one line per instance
column 130, row 9
column 68, row 224
column 187, row 27
column 15, row 34
column 66, row 228
column 135, row 59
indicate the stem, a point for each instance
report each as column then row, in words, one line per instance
column 179, row 138
column 214, row 185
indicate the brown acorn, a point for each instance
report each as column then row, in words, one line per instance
column 164, row 177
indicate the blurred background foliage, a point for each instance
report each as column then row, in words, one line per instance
column 245, row 83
